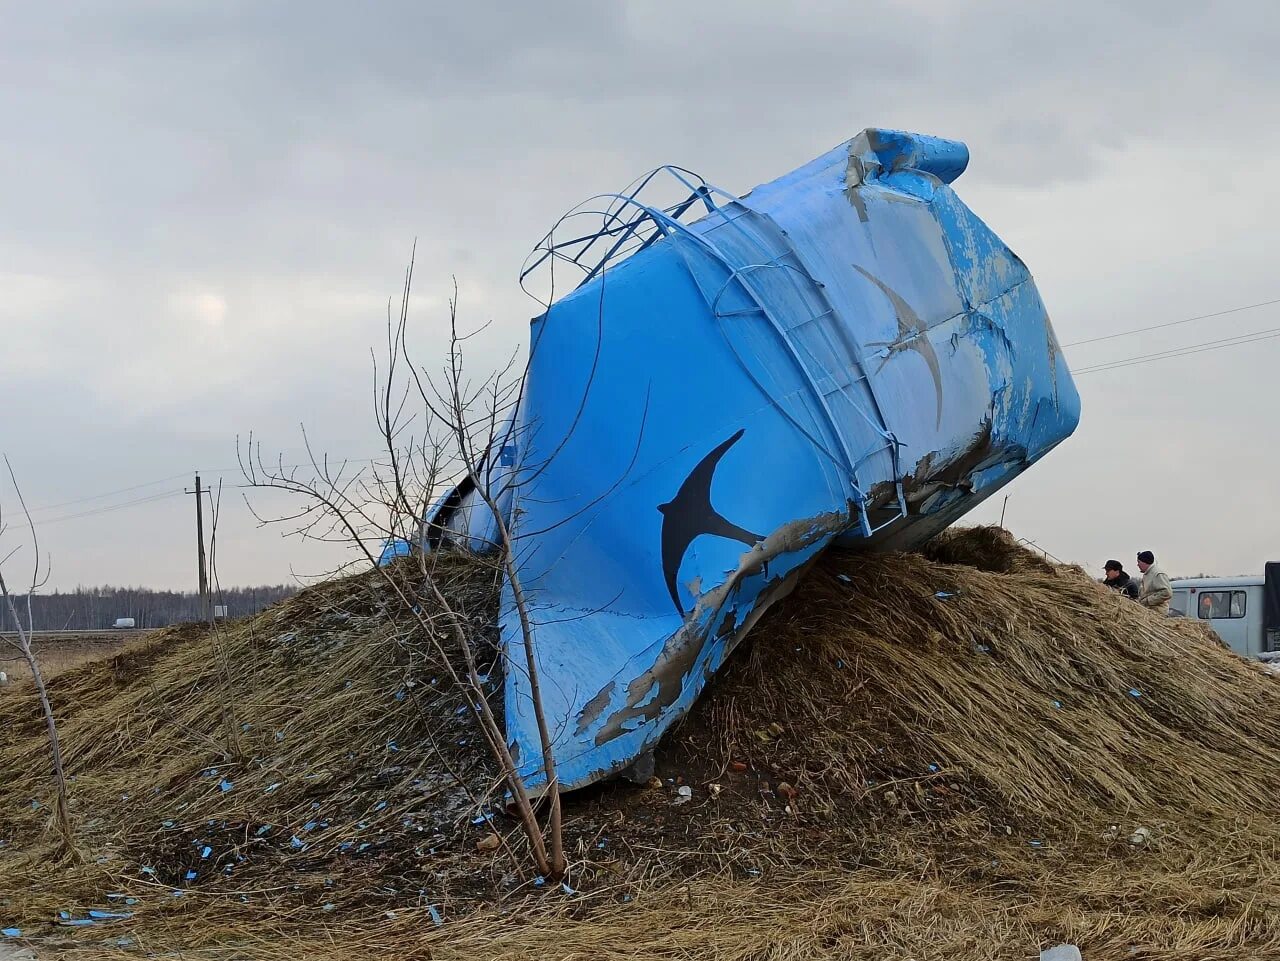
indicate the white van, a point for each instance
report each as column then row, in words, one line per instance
column 1244, row 611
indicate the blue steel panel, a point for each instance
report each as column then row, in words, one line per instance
column 846, row 352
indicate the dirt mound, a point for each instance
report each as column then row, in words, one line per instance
column 940, row 755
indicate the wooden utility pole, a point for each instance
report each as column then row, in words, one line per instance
column 204, row 578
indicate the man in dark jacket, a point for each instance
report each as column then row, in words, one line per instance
column 1116, row 579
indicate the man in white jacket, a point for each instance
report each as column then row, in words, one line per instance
column 1156, row 591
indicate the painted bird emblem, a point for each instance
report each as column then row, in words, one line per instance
column 913, row 334
column 689, row 514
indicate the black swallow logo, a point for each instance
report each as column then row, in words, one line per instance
column 690, row 514
column 913, row 334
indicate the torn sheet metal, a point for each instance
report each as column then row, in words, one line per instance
column 844, row 354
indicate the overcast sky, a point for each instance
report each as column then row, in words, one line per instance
column 204, row 208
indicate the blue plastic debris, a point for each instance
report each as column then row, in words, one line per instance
column 846, row 578
column 851, row 324
column 176, row 893
column 271, row 787
column 110, row 915
column 263, row 831
column 400, row 695
column 166, row 824
column 148, row 870
column 393, row 746
column 279, row 735
column 380, row 805
column 11, row 932
column 539, row 881
column 1134, row 692
column 1057, row 704
column 327, row 906
column 205, row 852
column 435, row 915
column 190, row 875
column 362, row 847
column 224, row 785
column 309, row 826
column 943, row 595
column 297, row 843
column 933, row 768
column 209, row 772
column 564, row 886
column 35, row 805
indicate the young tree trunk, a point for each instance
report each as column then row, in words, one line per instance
column 62, row 809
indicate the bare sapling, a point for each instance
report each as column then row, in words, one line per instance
column 23, row 639
column 429, row 439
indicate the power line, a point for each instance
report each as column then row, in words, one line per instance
column 1172, row 323
column 149, row 499
column 98, row 497
column 1135, row 361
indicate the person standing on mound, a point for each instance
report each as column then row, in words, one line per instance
column 1156, row 591
column 1118, row 579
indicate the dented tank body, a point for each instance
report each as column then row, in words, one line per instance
column 846, row 354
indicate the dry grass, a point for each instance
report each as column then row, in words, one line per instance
column 884, row 772
column 60, row 653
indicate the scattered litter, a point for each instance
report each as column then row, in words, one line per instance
column 1057, row 703
column 110, row 915
column 147, row 870
column 327, row 906
column 205, row 852
column 380, row 805
column 190, row 875
column 1140, row 836
column 539, row 881
column 1134, row 692
column 11, row 932
column 846, row 578
column 224, row 785
column 944, row 595
column 166, row 824
column 435, row 915
column 271, row 787
column 297, row 843
column 309, row 826
column 1061, row 952
column 263, row 831
column 684, row 793
column 564, row 886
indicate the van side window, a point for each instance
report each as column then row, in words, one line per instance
column 1221, row 605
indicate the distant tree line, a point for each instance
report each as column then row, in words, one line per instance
column 97, row 608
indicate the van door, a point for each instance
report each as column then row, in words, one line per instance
column 1271, row 607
